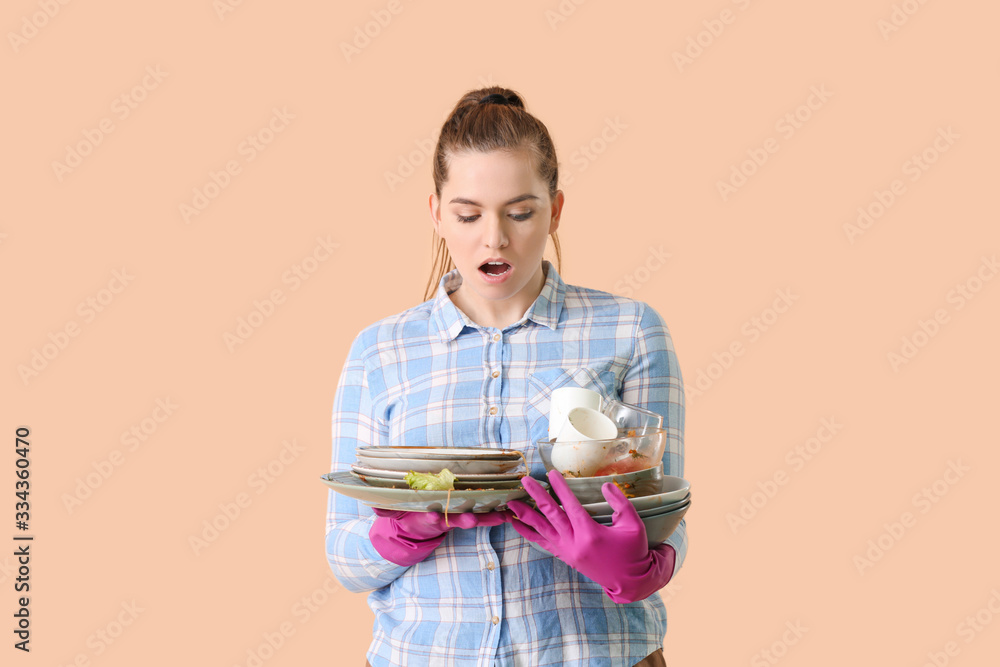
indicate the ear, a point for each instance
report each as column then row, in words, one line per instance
column 557, row 205
column 435, row 213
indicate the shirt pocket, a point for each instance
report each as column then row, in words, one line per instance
column 542, row 383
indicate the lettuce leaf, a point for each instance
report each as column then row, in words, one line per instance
column 442, row 481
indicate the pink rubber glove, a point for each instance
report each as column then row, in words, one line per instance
column 617, row 557
column 406, row 538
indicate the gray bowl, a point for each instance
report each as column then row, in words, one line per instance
column 642, row 483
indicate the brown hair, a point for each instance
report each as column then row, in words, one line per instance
column 504, row 125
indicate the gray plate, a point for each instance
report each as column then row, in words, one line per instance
column 389, row 483
column 375, row 471
column 422, row 501
column 459, row 466
column 406, row 452
column 658, row 527
column 645, row 514
column 672, row 490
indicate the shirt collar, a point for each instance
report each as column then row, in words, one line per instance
column 545, row 310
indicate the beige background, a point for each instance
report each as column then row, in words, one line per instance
column 682, row 126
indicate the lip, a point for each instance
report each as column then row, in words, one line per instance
column 495, row 280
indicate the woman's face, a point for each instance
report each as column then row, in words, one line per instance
column 495, row 206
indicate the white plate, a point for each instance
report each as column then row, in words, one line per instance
column 422, row 501
column 461, row 477
column 457, row 466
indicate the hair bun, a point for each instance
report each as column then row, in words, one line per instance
column 500, row 99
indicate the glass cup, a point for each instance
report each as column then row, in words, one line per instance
column 627, row 416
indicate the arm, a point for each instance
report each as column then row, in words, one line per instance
column 354, row 561
column 653, row 381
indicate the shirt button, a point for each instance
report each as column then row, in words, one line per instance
column 493, row 410
column 496, row 336
column 495, row 620
column 490, row 566
column 496, row 374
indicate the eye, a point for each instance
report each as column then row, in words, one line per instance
column 520, row 217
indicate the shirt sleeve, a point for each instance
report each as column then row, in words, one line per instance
column 354, row 561
column 653, row 381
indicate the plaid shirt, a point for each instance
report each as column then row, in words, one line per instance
column 431, row 376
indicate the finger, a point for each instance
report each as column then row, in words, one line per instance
column 473, row 520
column 530, row 534
column 533, row 488
column 518, row 507
column 615, row 497
column 550, row 508
column 434, row 520
column 395, row 515
column 463, row 520
column 540, row 522
column 625, row 514
column 493, row 518
column 507, row 515
column 572, row 508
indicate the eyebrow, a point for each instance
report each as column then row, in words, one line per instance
column 462, row 200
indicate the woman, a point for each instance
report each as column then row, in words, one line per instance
column 475, row 365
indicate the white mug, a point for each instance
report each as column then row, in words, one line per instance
column 565, row 399
column 574, row 453
column 587, row 424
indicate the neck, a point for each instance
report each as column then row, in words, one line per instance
column 498, row 314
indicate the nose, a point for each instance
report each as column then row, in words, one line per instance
column 495, row 232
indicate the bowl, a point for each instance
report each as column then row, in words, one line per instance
column 658, row 527
column 624, row 454
column 641, row 483
column 631, row 416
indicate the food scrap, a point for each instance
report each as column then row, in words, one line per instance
column 625, row 488
column 442, row 481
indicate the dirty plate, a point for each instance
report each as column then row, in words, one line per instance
column 439, row 452
column 461, row 477
column 422, row 501
column 672, row 489
column 391, row 483
column 458, row 464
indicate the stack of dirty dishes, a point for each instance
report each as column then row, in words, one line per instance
column 473, row 467
column 593, row 442
column 413, row 479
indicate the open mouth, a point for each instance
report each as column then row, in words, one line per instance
column 495, row 268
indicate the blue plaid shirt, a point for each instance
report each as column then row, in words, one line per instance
column 431, row 376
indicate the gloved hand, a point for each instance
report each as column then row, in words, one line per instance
column 406, row 538
column 617, row 556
